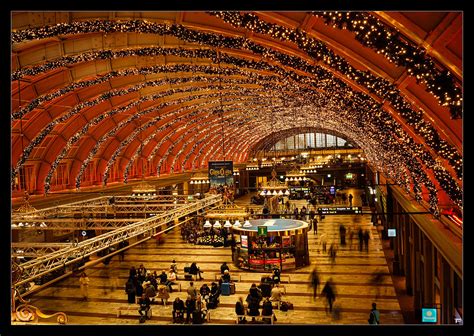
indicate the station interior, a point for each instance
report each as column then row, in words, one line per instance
column 317, row 154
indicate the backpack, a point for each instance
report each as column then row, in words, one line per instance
column 284, row 306
column 372, row 319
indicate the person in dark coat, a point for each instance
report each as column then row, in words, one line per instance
column 178, row 309
column 366, row 240
column 194, row 269
column 253, row 305
column 190, row 305
column 361, row 239
column 329, row 293
column 342, row 233
column 315, row 282
column 240, row 309
column 224, row 267
column 131, row 290
column 267, row 310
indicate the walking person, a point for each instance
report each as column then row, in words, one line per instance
column 131, row 290
column 315, row 226
column 323, row 242
column 374, row 316
column 332, row 253
column 376, row 280
column 342, row 233
column 366, row 238
column 361, row 239
column 84, row 282
column 315, row 282
column 350, row 199
column 329, row 292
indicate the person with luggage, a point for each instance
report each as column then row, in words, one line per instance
column 195, row 270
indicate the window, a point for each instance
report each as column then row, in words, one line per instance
column 330, row 140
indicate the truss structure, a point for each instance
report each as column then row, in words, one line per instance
column 34, row 250
column 47, row 263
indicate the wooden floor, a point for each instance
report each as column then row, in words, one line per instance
column 351, row 274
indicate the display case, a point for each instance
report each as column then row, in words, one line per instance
column 270, row 243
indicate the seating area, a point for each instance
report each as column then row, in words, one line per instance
column 257, row 318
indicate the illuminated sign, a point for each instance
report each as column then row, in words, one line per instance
column 341, row 210
column 429, row 315
column 392, row 232
column 220, row 173
column 244, row 241
column 348, row 176
column 262, row 230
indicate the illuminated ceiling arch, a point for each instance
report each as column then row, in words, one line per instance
column 91, row 86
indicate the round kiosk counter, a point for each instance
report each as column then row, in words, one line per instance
column 270, row 243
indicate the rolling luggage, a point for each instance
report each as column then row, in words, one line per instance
column 225, row 288
column 232, row 288
column 197, row 317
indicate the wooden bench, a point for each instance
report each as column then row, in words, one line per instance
column 131, row 306
column 249, row 318
column 283, row 277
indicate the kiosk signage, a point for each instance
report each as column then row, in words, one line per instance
column 428, row 315
column 262, row 230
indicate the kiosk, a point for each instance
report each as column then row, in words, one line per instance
column 270, row 243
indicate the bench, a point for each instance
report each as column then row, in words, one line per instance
column 283, row 277
column 131, row 306
column 233, row 278
column 249, row 318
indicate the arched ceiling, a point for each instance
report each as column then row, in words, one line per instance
column 110, row 87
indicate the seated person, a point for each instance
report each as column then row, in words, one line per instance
column 149, row 290
column 144, row 305
column 255, row 292
column 163, row 294
column 163, row 277
column 276, row 293
column 194, row 269
column 225, row 277
column 205, row 291
column 214, row 296
column 276, row 275
column 253, row 305
column 174, row 266
column 190, row 305
column 171, row 280
column 224, row 267
column 178, row 309
column 267, row 310
column 240, row 310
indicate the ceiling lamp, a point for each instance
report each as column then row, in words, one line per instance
column 237, row 224
column 207, row 224
column 247, row 223
column 217, row 225
column 227, row 224
column 273, row 186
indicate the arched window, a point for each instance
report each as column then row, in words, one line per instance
column 311, row 140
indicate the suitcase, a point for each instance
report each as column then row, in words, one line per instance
column 225, row 288
column 232, row 288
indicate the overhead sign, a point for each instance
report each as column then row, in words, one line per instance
column 332, row 190
column 392, row 232
column 429, row 315
column 220, row 173
column 262, row 230
column 341, row 210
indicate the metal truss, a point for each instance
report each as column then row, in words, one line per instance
column 33, row 250
column 45, row 264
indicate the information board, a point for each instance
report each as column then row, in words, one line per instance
column 341, row 210
column 262, row 230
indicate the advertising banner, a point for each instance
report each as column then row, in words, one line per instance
column 221, row 173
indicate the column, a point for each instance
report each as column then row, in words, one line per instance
column 428, row 295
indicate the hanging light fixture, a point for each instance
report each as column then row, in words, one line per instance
column 207, row 224
column 227, row 224
column 247, row 223
column 217, row 225
column 237, row 224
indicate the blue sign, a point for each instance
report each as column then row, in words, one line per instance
column 332, row 190
column 429, row 315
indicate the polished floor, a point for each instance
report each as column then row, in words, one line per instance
column 351, row 273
